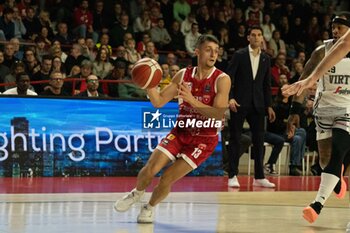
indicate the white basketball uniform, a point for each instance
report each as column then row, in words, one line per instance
column 332, row 100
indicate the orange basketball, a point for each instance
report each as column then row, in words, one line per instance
column 146, row 73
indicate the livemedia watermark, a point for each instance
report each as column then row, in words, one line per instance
column 166, row 119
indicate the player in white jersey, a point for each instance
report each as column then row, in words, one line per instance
column 331, row 110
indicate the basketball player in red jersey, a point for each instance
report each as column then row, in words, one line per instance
column 203, row 93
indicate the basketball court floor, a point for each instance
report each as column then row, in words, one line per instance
column 196, row 205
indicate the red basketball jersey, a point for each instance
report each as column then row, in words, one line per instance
column 205, row 91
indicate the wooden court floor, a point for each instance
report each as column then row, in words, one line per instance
column 68, row 209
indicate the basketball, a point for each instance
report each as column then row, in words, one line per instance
column 146, row 73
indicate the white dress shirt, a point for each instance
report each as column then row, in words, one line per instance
column 254, row 60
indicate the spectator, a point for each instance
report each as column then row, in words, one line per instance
column 80, row 85
column 4, row 70
column 118, row 11
column 56, row 50
column 166, row 78
column 40, row 48
column 63, row 36
column 268, row 27
column 239, row 39
column 118, row 73
column 181, row 10
column 32, row 24
column 32, row 65
column 155, row 15
column 171, row 59
column 142, row 23
column 121, row 54
column 18, row 53
column 141, row 46
column 91, row 49
column 118, row 30
column 255, row 11
column 173, row 70
column 166, row 10
column 19, row 30
column 45, row 22
column 178, row 40
column 101, row 18
column 55, row 85
column 7, row 27
column 278, row 69
column 284, row 29
column 298, row 68
column 205, row 22
column 92, row 88
column 151, row 51
column 58, row 66
column 132, row 55
column 83, row 21
column 277, row 142
column 191, row 39
column 75, row 57
column 9, row 54
column 102, row 65
column 187, row 23
column 297, row 137
column 22, row 86
column 44, row 34
column 10, row 79
column 104, row 40
column 160, row 35
column 276, row 44
column 237, row 20
column 313, row 31
column 221, row 61
column 43, row 74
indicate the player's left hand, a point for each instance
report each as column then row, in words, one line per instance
column 271, row 114
column 185, row 93
column 298, row 87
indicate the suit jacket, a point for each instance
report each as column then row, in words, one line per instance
column 85, row 94
column 249, row 92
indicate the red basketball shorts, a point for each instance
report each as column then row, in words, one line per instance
column 193, row 149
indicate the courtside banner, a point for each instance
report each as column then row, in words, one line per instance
column 83, row 137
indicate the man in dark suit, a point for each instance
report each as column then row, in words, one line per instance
column 92, row 88
column 250, row 99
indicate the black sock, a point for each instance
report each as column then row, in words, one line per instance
column 317, row 207
column 337, row 187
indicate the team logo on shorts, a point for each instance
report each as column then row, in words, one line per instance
column 202, row 146
column 165, row 142
column 171, row 137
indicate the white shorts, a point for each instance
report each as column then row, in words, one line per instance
column 325, row 124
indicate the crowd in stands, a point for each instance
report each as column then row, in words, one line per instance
column 85, row 47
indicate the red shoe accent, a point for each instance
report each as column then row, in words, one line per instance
column 343, row 185
column 309, row 214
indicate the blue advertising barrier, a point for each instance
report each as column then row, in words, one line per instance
column 84, row 137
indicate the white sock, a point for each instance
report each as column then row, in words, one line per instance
column 138, row 191
column 149, row 207
column 328, row 182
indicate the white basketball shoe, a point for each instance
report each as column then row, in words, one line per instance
column 128, row 200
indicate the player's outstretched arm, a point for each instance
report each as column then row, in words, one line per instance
column 220, row 102
column 158, row 100
column 338, row 51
